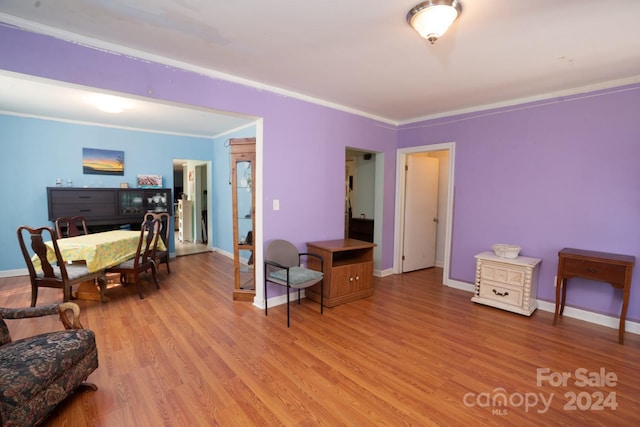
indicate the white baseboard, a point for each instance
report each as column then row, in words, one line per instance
column 383, row 273
column 279, row 300
column 14, row 273
column 574, row 313
column 463, row 286
column 591, row 317
column 244, row 261
column 225, row 253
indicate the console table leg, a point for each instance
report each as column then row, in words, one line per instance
column 623, row 315
column 558, row 296
column 564, row 296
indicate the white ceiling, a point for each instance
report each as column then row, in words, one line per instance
column 362, row 55
column 32, row 97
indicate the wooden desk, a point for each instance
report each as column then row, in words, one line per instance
column 615, row 269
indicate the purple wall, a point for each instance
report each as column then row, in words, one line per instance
column 547, row 175
column 304, row 143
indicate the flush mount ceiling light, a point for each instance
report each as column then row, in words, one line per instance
column 432, row 18
column 110, row 104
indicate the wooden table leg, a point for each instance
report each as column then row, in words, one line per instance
column 563, row 299
column 623, row 313
column 560, row 293
column 92, row 291
column 88, row 291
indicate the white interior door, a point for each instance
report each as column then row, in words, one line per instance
column 420, row 213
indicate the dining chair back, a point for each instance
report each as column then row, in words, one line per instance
column 162, row 256
column 71, row 226
column 51, row 274
column 143, row 259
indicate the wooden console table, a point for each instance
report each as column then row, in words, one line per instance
column 615, row 269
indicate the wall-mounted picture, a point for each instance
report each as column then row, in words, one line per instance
column 102, row 162
column 149, row 181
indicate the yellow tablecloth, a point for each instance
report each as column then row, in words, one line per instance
column 99, row 250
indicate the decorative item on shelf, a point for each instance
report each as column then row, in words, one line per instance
column 124, row 185
column 506, row 251
column 149, row 181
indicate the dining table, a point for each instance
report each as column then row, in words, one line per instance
column 99, row 251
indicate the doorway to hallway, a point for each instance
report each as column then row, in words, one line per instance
column 445, row 153
column 189, row 248
column 420, row 212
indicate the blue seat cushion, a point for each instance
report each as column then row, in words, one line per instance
column 297, row 276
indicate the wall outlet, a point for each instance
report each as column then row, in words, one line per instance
column 555, row 281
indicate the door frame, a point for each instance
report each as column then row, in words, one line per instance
column 401, row 156
column 200, row 180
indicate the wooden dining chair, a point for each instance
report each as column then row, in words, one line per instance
column 71, row 226
column 56, row 274
column 162, row 257
column 143, row 260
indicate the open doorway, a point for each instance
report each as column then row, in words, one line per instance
column 360, row 182
column 363, row 198
column 444, row 154
column 191, row 206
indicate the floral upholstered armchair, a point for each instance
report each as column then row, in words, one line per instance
column 38, row 372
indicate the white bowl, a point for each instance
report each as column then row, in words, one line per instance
column 506, row 251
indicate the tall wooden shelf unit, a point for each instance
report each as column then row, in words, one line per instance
column 243, row 178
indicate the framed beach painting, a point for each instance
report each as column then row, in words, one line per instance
column 102, row 162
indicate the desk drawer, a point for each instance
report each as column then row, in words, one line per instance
column 500, row 292
column 593, row 270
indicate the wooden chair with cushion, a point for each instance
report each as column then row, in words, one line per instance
column 143, row 260
column 71, row 227
column 51, row 274
column 39, row 372
column 282, row 266
column 162, row 257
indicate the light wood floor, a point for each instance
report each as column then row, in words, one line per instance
column 416, row 353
